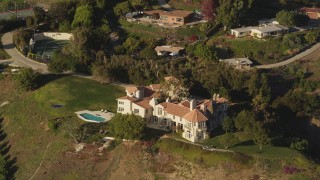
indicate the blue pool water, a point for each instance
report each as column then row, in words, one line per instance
column 92, row 117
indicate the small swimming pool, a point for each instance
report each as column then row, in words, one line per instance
column 91, row 117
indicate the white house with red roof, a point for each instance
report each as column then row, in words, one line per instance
column 194, row 118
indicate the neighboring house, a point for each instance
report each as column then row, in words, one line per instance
column 261, row 31
column 168, row 50
column 176, row 17
column 238, row 63
column 313, row 13
column 194, row 118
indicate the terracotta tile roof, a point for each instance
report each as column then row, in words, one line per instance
column 144, row 103
column 185, row 103
column 195, row 116
column 128, row 98
column 175, row 109
column 310, row 10
column 155, row 87
column 132, row 89
column 222, row 100
column 176, row 13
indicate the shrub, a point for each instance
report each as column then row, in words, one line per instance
column 300, row 145
column 27, row 79
column 127, row 126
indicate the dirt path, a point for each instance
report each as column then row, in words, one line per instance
column 44, row 155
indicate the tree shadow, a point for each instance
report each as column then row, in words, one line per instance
column 245, row 143
column 11, row 162
column 47, row 78
column 153, row 134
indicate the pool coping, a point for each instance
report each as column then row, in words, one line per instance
column 95, row 113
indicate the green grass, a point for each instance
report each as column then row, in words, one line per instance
column 77, row 94
column 3, row 53
column 247, row 146
column 197, row 154
column 181, row 4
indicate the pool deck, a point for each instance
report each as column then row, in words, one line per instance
column 106, row 115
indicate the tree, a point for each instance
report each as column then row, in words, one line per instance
column 229, row 12
column 245, row 121
column 300, row 145
column 83, row 17
column 206, row 52
column 228, row 124
column 39, row 14
column 229, row 140
column 260, row 136
column 311, row 36
column 30, row 22
column 101, row 72
column 208, row 9
column 292, row 41
column 286, row 18
column 61, row 62
column 72, row 128
column 138, row 4
column 3, row 168
column 27, row 79
column 128, row 126
column 121, row 8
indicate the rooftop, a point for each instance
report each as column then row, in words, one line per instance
column 309, row 9
column 171, row 49
column 236, row 61
column 195, row 116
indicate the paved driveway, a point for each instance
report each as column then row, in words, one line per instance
column 17, row 58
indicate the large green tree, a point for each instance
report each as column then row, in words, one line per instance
column 286, row 18
column 245, row 121
column 122, row 8
column 260, row 135
column 83, row 17
column 206, row 52
column 229, row 12
column 228, row 124
column 39, row 14
column 127, row 126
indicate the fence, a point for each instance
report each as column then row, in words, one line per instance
column 38, row 58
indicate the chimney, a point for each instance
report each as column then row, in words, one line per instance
column 214, row 96
column 218, row 96
column 192, row 104
column 167, row 100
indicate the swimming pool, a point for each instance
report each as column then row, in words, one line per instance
column 91, row 117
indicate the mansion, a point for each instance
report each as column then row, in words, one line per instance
column 193, row 117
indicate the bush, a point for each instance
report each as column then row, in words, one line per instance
column 127, row 126
column 27, row 79
column 300, row 145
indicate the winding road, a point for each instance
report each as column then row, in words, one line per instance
column 18, row 59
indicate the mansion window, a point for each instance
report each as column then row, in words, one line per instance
column 121, row 109
column 174, row 116
column 121, row 102
column 160, row 111
column 136, row 111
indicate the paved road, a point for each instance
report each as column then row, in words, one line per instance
column 314, row 48
column 17, row 58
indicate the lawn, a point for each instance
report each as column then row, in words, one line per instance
column 247, row 146
column 77, row 94
column 3, row 54
column 198, row 155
